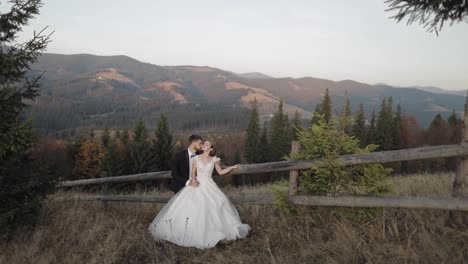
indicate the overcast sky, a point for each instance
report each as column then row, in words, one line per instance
column 334, row 39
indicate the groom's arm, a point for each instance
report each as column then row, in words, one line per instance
column 175, row 169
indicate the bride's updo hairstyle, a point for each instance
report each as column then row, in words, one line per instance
column 212, row 150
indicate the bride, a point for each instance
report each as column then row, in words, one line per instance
column 200, row 214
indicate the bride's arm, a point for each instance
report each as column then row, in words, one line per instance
column 193, row 180
column 226, row 170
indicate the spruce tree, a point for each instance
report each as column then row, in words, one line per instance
column 263, row 146
column 431, row 14
column 453, row 119
column 237, row 157
column 437, row 122
column 162, row 145
column 125, row 167
column 280, row 140
column 24, row 181
column 318, row 111
column 296, row 125
column 328, row 142
column 251, row 150
column 383, row 136
column 112, row 162
column 346, row 118
column 105, row 137
column 327, row 107
column 397, row 125
column 359, row 127
column 372, row 129
column 455, row 126
column 140, row 153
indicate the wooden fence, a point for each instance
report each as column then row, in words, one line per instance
column 459, row 200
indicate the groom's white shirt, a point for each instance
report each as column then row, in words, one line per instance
column 190, row 165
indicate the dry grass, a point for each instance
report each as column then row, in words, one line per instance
column 86, row 232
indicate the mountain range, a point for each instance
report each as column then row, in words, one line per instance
column 85, row 90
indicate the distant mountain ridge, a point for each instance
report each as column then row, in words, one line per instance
column 254, row 75
column 106, row 89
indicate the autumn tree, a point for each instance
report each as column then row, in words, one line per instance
column 89, row 159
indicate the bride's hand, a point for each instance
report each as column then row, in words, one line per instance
column 194, row 183
column 235, row 166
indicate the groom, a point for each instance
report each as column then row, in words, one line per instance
column 181, row 163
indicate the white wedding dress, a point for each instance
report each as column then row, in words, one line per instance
column 199, row 216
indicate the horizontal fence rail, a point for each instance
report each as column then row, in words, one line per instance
column 443, row 151
column 459, row 204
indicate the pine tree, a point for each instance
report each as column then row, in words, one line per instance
column 125, row 137
column 105, row 137
column 162, row 145
column 279, row 137
column 263, row 146
column 383, row 134
column 318, row 111
column 237, row 157
column 455, row 126
column 397, row 125
column 438, row 131
column 437, row 122
column 359, row 127
column 346, row 118
column 111, row 161
column 251, row 150
column 453, row 119
column 296, row 124
column 140, row 153
column 371, row 131
column 24, row 181
column 123, row 150
column 327, row 142
column 327, row 107
column 431, row 14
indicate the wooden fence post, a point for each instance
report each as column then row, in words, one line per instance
column 460, row 184
column 294, row 174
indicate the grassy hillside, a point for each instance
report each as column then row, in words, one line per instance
column 85, row 232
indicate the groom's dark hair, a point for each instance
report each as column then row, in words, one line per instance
column 193, row 138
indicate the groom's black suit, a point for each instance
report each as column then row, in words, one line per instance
column 180, row 170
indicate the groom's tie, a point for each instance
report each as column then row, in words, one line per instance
column 193, row 155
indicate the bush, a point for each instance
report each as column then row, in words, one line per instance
column 324, row 140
